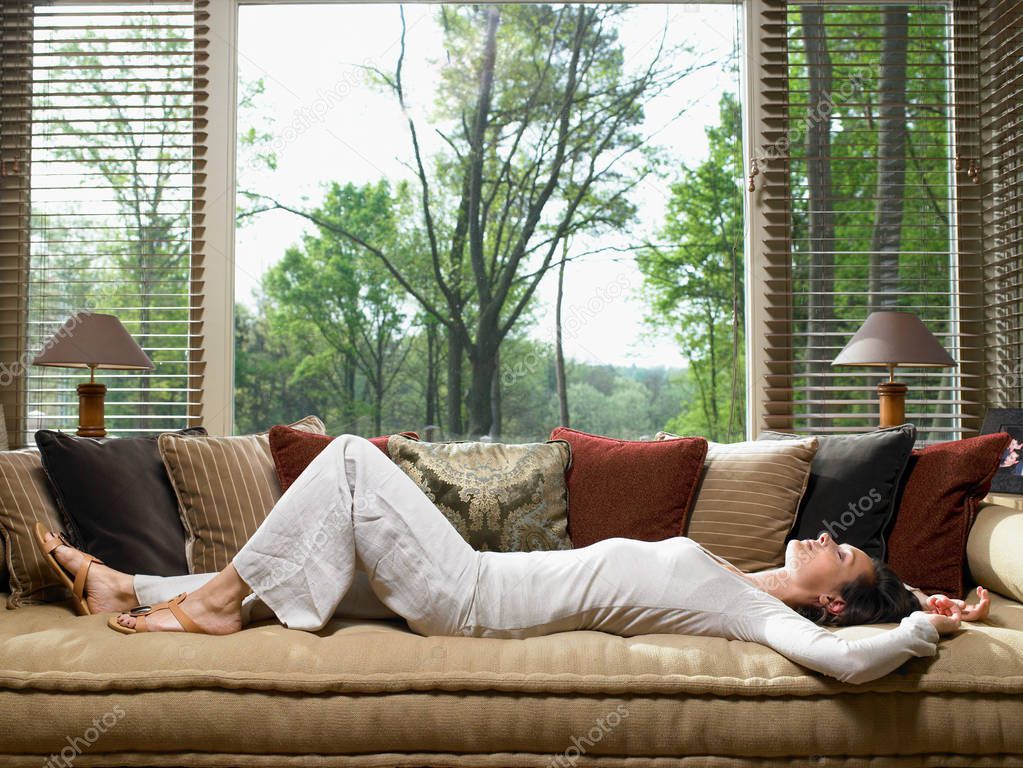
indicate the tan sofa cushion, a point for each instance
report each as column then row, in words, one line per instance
column 374, row 688
column 47, row 648
column 995, row 550
column 225, row 487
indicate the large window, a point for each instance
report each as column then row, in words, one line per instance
column 860, row 191
column 491, row 219
column 101, row 99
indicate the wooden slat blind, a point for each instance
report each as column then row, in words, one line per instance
column 197, row 292
column 15, row 149
column 999, row 73
column 860, row 214
column 111, row 103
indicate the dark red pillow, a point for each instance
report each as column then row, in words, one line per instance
column 633, row 489
column 943, row 486
column 293, row 450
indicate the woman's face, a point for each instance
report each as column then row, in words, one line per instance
column 820, row 569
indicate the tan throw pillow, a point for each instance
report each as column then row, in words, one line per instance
column 225, row 486
column 25, row 498
column 499, row 497
column 748, row 497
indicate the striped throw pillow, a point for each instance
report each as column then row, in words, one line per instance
column 748, row 498
column 25, row 498
column 225, row 488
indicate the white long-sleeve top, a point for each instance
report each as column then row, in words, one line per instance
column 629, row 587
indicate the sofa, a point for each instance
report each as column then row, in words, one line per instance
column 372, row 693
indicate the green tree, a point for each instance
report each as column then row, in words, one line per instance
column 695, row 280
column 542, row 123
column 272, row 379
column 346, row 293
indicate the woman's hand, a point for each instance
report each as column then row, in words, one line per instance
column 945, row 623
column 939, row 604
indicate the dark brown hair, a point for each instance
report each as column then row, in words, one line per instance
column 879, row 600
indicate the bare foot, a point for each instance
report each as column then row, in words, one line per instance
column 106, row 590
column 216, row 607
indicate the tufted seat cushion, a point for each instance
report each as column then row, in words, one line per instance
column 358, row 690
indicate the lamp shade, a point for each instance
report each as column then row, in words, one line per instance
column 892, row 339
column 91, row 340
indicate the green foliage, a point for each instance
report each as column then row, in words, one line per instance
column 694, row 281
column 348, row 297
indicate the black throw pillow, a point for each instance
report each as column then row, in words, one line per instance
column 853, row 487
column 116, row 500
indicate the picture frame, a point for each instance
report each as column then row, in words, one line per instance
column 1009, row 477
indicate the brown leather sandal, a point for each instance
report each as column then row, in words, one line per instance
column 75, row 582
column 141, row 611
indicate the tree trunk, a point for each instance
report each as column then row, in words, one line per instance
column 891, row 162
column 432, row 411
column 497, row 427
column 456, row 353
column 714, row 417
column 483, row 353
column 378, row 384
column 735, row 369
column 349, row 393
column 483, row 363
column 821, row 228
column 559, row 349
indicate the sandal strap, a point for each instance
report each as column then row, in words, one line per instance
column 177, row 612
column 78, row 588
column 183, row 618
column 52, row 544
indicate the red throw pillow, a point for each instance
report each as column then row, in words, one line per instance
column 940, row 500
column 633, row 489
column 293, row 450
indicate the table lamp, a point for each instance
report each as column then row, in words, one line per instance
column 90, row 340
column 889, row 339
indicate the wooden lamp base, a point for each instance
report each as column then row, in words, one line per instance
column 90, row 410
column 893, row 403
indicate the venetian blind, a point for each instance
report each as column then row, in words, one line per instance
column 858, row 181
column 999, row 72
column 106, row 211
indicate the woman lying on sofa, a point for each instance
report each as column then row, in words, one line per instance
column 353, row 509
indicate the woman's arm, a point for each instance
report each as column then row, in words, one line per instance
column 851, row 661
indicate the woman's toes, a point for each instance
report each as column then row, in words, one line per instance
column 126, row 620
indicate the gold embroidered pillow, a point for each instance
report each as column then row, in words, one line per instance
column 748, row 497
column 225, row 486
column 500, row 498
column 25, row 498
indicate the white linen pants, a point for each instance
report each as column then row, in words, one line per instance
column 352, row 536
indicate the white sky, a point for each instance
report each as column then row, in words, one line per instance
column 328, row 125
